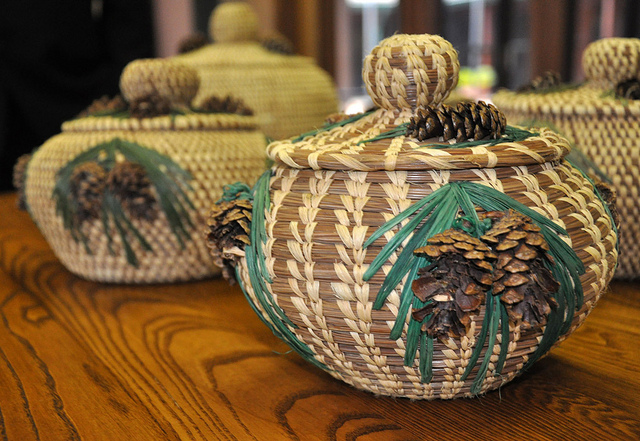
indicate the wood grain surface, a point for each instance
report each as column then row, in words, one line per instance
column 88, row 361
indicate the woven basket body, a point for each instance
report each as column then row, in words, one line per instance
column 605, row 128
column 290, row 94
column 329, row 193
column 213, row 148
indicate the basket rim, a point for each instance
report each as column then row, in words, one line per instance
column 338, row 149
column 187, row 122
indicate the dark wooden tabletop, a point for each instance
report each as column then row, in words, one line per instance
column 89, row 361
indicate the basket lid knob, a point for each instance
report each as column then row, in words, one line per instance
column 610, row 61
column 233, row 22
column 167, row 79
column 406, row 72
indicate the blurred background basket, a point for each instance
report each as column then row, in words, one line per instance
column 122, row 194
column 602, row 118
column 290, row 94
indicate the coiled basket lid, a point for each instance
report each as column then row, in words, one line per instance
column 289, row 93
column 329, row 192
column 187, row 155
column 604, row 126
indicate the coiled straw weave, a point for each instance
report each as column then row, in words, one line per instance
column 604, row 127
column 331, row 191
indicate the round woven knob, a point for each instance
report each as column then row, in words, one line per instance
column 231, row 22
column 410, row 71
column 610, row 61
column 174, row 82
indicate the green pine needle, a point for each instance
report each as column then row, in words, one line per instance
column 494, row 323
column 505, row 335
column 395, row 132
column 259, row 277
column 328, row 127
column 481, row 338
column 426, row 357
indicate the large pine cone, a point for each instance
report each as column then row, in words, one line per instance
column 150, row 106
column 86, row 186
column 129, row 183
column 228, row 104
column 229, row 227
column 465, row 121
column 455, row 282
column 526, row 285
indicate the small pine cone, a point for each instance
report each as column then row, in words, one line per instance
column 629, row 89
column 213, row 104
column 546, row 81
column 610, row 198
column 456, row 282
column 86, row 187
column 129, row 183
column 526, row 285
column 229, row 228
column 278, row 44
column 335, row 118
column 150, row 106
column 192, row 42
column 19, row 175
column 105, row 105
column 463, row 122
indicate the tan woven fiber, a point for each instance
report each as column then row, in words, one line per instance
column 605, row 128
column 289, row 94
column 214, row 148
column 141, row 78
column 329, row 193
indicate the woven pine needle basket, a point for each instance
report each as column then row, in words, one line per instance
column 602, row 118
column 124, row 198
column 413, row 267
column 290, row 94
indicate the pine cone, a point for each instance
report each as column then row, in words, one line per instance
column 192, row 42
column 86, row 186
column 610, row 198
column 229, row 227
column 546, row 81
column 104, row 105
column 520, row 276
column 213, row 104
column 278, row 44
column 19, row 175
column 466, row 121
column 629, row 89
column 150, row 106
column 456, row 282
column 129, row 183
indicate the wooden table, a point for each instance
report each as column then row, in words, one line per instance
column 82, row 360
